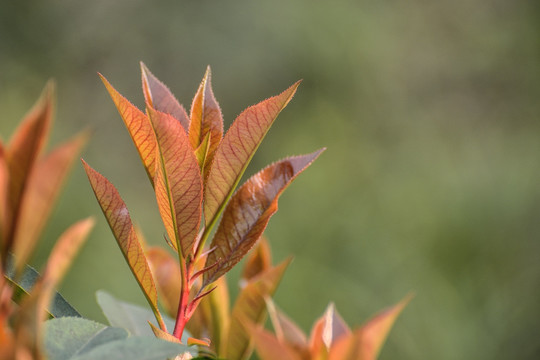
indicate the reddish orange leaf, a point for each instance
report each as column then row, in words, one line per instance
column 329, row 328
column 212, row 317
column 117, row 216
column 268, row 346
column 160, row 98
column 206, row 118
column 44, row 185
column 249, row 211
column 250, row 307
column 139, row 128
column 236, row 150
column 178, row 183
column 257, row 262
column 286, row 330
column 166, row 271
column 366, row 342
column 24, row 148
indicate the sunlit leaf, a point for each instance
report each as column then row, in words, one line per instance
column 178, row 183
column 117, row 216
column 42, row 189
column 250, row 307
column 329, row 328
column 201, row 153
column 258, row 261
column 366, row 342
column 268, row 346
column 249, row 211
column 160, row 98
column 24, row 148
column 166, row 271
column 236, row 150
column 206, row 118
column 212, row 317
column 286, row 330
column 139, row 128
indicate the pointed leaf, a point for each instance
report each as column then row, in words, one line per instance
column 43, row 187
column 24, row 148
column 257, row 262
column 286, row 330
column 61, row 257
column 212, row 317
column 206, row 118
column 250, row 307
column 68, row 337
column 160, row 334
column 249, row 211
column 201, row 153
column 166, row 271
column 329, row 328
column 59, row 306
column 139, row 127
column 178, row 183
column 117, row 216
column 160, row 98
column 268, row 346
column 131, row 317
column 236, row 150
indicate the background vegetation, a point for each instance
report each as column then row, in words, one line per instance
column 430, row 113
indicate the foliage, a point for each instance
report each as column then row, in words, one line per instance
column 29, row 184
column 195, row 171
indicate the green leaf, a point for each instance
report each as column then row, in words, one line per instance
column 59, row 306
column 68, row 337
column 136, row 348
column 132, row 317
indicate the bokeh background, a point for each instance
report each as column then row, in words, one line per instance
column 430, row 111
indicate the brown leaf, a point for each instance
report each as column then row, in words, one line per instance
column 178, row 183
column 236, row 150
column 160, row 98
column 43, row 187
column 250, row 307
column 139, row 128
column 249, row 211
column 206, row 119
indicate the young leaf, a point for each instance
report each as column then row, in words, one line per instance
column 24, row 148
column 166, row 271
column 236, row 150
column 366, row 342
column 257, row 262
column 249, row 211
column 69, row 337
column 329, row 328
column 117, row 216
column 139, row 127
column 160, row 98
column 269, row 347
column 286, row 330
column 43, row 187
column 178, row 183
column 250, row 308
column 206, row 118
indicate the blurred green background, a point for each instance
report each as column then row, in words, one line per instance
column 430, row 111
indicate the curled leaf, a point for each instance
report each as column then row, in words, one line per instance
column 236, row 150
column 249, row 211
